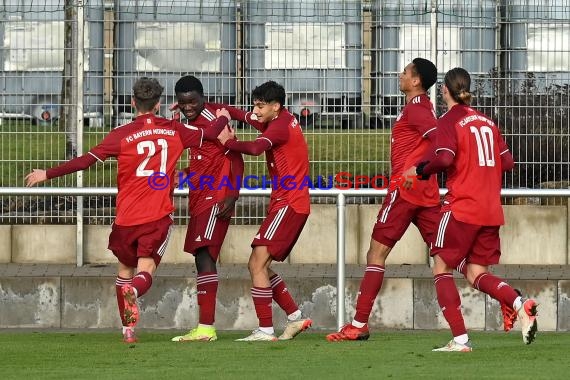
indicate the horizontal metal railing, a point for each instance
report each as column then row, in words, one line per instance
column 339, row 194
column 92, row 191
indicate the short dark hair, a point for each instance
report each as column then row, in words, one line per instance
column 269, row 92
column 427, row 72
column 189, row 83
column 146, row 93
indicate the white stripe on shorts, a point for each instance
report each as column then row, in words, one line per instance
column 275, row 223
column 441, row 229
column 384, row 215
column 162, row 247
column 211, row 223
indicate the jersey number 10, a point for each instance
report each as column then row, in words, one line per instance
column 142, row 171
column 484, row 139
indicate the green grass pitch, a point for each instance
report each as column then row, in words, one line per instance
column 92, row 354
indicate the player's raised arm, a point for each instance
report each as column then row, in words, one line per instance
column 35, row 177
column 274, row 135
column 236, row 172
column 223, row 118
column 71, row 166
column 246, row 117
column 192, row 136
column 253, row 148
column 227, row 206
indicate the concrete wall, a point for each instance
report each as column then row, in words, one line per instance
column 40, row 298
column 535, row 235
column 532, row 235
column 5, row 244
column 403, row 303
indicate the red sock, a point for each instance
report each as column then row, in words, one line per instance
column 496, row 288
column 262, row 301
column 282, row 296
column 207, row 286
column 119, row 282
column 369, row 289
column 450, row 303
column 142, row 282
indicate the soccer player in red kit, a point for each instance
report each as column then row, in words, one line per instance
column 147, row 150
column 213, row 175
column 287, row 157
column 471, row 149
column 411, row 135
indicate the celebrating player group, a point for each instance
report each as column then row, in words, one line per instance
column 461, row 231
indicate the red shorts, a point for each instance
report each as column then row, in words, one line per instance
column 395, row 217
column 457, row 242
column 129, row 243
column 279, row 232
column 206, row 230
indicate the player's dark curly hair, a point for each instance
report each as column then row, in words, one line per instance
column 458, row 83
column 146, row 93
column 427, row 72
column 189, row 83
column 269, row 92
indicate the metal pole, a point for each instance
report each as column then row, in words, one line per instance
column 433, row 45
column 77, row 85
column 498, row 48
column 340, row 259
column 112, row 191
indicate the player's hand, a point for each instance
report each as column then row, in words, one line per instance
column 223, row 112
column 176, row 111
column 420, row 169
column 409, row 177
column 228, row 133
column 226, row 208
column 35, row 177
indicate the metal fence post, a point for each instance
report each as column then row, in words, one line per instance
column 433, row 53
column 77, row 88
column 340, row 259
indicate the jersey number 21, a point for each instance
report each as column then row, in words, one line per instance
column 142, row 171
